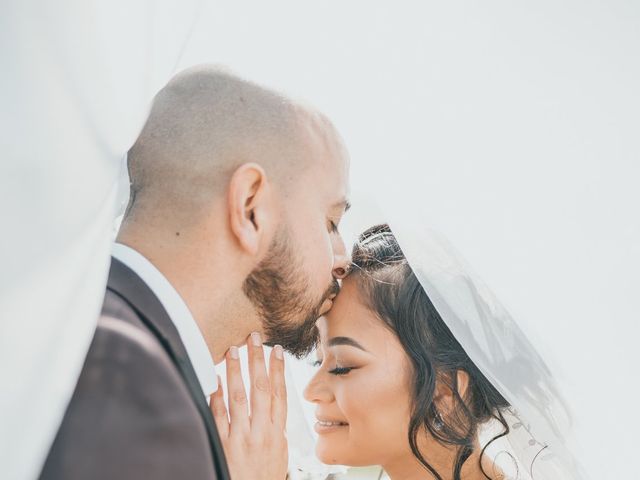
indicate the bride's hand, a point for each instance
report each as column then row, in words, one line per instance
column 255, row 445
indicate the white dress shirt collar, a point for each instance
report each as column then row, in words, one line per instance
column 178, row 311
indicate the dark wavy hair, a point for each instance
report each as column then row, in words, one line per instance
column 390, row 289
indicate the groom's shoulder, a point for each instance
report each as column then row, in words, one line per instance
column 124, row 344
column 119, row 323
column 127, row 392
column 115, row 306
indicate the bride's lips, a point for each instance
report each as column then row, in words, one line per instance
column 325, row 425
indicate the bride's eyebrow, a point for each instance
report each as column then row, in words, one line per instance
column 345, row 341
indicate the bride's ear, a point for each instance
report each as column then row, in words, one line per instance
column 249, row 202
column 462, row 383
column 444, row 397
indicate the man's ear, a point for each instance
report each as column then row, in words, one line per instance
column 248, row 200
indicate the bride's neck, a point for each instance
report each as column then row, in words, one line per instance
column 442, row 460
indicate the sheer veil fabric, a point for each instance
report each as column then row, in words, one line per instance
column 538, row 444
column 77, row 82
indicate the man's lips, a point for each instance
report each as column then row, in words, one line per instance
column 326, row 305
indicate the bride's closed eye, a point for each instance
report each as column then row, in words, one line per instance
column 337, row 370
column 340, row 370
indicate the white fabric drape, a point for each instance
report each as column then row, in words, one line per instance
column 76, row 84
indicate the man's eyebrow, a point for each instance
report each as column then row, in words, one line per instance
column 335, row 341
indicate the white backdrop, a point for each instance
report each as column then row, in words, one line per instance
column 517, row 122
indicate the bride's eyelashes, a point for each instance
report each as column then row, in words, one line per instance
column 337, row 370
column 333, row 226
column 340, row 370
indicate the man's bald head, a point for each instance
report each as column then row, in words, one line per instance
column 236, row 197
column 206, row 123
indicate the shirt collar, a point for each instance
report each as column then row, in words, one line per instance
column 177, row 310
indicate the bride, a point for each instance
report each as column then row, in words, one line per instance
column 423, row 372
column 395, row 387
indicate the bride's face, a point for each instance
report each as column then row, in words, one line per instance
column 361, row 389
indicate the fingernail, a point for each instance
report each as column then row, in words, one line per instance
column 256, row 340
column 233, row 353
column 279, row 354
column 219, row 381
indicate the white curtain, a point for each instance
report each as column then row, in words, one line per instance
column 76, row 84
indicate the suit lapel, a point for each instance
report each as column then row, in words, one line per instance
column 127, row 284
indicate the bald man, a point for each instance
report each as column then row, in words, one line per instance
column 231, row 233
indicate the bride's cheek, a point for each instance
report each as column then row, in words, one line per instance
column 356, row 398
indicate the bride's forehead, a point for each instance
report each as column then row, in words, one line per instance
column 348, row 317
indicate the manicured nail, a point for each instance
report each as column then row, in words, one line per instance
column 256, row 340
column 279, row 354
column 233, row 353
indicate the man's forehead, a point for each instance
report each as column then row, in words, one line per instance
column 336, row 175
column 325, row 143
column 327, row 157
column 330, row 187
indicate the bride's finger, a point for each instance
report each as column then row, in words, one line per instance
column 278, row 387
column 219, row 411
column 237, row 396
column 260, row 387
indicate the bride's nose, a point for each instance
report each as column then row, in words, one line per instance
column 317, row 391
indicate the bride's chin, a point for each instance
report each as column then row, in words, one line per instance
column 342, row 458
column 326, row 455
column 336, row 455
column 331, row 460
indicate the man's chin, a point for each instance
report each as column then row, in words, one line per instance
column 298, row 342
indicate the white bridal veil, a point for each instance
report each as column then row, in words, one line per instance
column 539, row 443
column 76, row 85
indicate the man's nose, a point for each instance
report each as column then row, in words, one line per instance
column 341, row 259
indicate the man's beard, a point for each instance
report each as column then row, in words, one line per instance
column 279, row 290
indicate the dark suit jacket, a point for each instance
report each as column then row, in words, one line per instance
column 138, row 410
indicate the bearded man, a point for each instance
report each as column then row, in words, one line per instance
column 231, row 233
